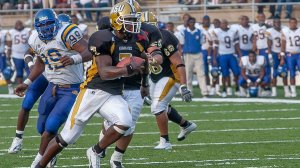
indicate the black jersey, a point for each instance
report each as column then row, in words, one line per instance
column 155, row 38
column 169, row 47
column 104, row 42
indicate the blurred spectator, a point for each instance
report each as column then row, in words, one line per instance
column 170, row 26
column 83, row 4
column 288, row 9
column 7, row 4
column 191, row 40
column 62, row 4
column 192, row 2
column 48, row 3
column 101, row 4
column 185, row 18
column 22, row 4
column 37, row 4
column 261, row 7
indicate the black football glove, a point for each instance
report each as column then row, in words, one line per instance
column 186, row 94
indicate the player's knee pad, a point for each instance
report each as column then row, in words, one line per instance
column 60, row 141
column 53, row 124
column 129, row 131
column 120, row 130
column 174, row 116
column 28, row 102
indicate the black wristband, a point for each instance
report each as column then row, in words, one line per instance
column 180, row 65
column 145, row 80
column 129, row 69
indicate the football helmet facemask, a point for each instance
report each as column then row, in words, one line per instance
column 124, row 18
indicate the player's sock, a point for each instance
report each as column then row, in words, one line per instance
column 19, row 134
column 166, row 137
column 286, row 89
column 117, row 156
column 185, row 124
column 97, row 149
column 217, row 88
column 174, row 116
column 293, row 89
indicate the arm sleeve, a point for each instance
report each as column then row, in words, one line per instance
column 97, row 46
column 71, row 35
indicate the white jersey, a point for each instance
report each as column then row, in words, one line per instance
column 260, row 33
column 292, row 38
column 275, row 37
column 83, row 28
column 19, row 42
column 245, row 37
column 253, row 70
column 2, row 40
column 227, row 40
column 206, row 37
column 50, row 52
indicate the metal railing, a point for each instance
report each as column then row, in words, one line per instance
column 160, row 9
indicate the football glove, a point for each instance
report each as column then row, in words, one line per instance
column 185, row 93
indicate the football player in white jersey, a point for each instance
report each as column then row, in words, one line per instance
column 260, row 43
column 215, row 87
column 2, row 49
column 5, row 70
column 206, row 46
column 61, row 50
column 291, row 50
column 274, row 48
column 253, row 72
column 17, row 46
column 225, row 46
column 245, row 33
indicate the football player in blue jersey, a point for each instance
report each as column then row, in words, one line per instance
column 35, row 90
column 60, row 50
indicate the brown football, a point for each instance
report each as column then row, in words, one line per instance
column 128, row 60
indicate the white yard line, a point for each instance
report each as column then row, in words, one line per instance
column 184, row 145
column 241, row 100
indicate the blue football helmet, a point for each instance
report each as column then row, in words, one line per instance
column 282, row 71
column 215, row 72
column 7, row 73
column 64, row 18
column 253, row 91
column 46, row 23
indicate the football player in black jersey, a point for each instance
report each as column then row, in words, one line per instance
column 102, row 90
column 166, row 79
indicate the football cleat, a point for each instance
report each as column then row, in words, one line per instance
column 94, row 158
column 185, row 131
column 229, row 91
column 294, row 94
column 116, row 164
column 163, row 144
column 16, row 145
column 287, row 95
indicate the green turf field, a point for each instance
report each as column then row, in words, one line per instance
column 229, row 135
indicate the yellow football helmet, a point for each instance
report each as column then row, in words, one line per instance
column 135, row 4
column 149, row 17
column 123, row 17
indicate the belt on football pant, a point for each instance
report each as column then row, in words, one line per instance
column 63, row 86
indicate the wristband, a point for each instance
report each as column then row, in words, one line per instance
column 282, row 54
column 258, row 80
column 30, row 63
column 129, row 69
column 27, row 82
column 27, row 55
column 77, row 58
column 180, row 65
column 248, row 81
